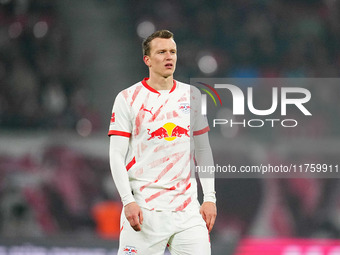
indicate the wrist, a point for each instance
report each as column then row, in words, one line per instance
column 210, row 197
column 128, row 199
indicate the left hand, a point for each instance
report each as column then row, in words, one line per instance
column 209, row 212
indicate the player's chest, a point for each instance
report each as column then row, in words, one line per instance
column 162, row 117
column 163, row 107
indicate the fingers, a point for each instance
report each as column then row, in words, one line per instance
column 141, row 217
column 135, row 224
column 205, row 217
column 208, row 212
column 134, row 215
column 210, row 222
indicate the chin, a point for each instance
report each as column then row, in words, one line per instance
column 167, row 75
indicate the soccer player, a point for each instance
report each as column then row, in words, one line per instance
column 156, row 135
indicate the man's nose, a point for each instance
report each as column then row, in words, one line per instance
column 168, row 55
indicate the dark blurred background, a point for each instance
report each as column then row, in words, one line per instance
column 63, row 62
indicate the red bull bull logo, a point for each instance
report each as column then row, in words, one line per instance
column 169, row 132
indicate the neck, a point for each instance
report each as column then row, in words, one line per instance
column 161, row 83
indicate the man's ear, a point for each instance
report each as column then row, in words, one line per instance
column 146, row 60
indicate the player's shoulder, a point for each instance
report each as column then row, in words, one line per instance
column 130, row 91
column 184, row 86
column 133, row 88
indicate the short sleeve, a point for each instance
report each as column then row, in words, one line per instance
column 199, row 121
column 120, row 123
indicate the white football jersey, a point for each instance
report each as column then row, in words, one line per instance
column 160, row 126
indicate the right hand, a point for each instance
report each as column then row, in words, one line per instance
column 134, row 215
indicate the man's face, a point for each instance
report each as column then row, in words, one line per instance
column 163, row 57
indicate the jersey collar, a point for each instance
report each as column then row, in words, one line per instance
column 154, row 90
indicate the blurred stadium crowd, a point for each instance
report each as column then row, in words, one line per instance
column 251, row 38
column 52, row 192
column 56, row 192
column 39, row 88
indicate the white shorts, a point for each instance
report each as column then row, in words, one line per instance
column 183, row 232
